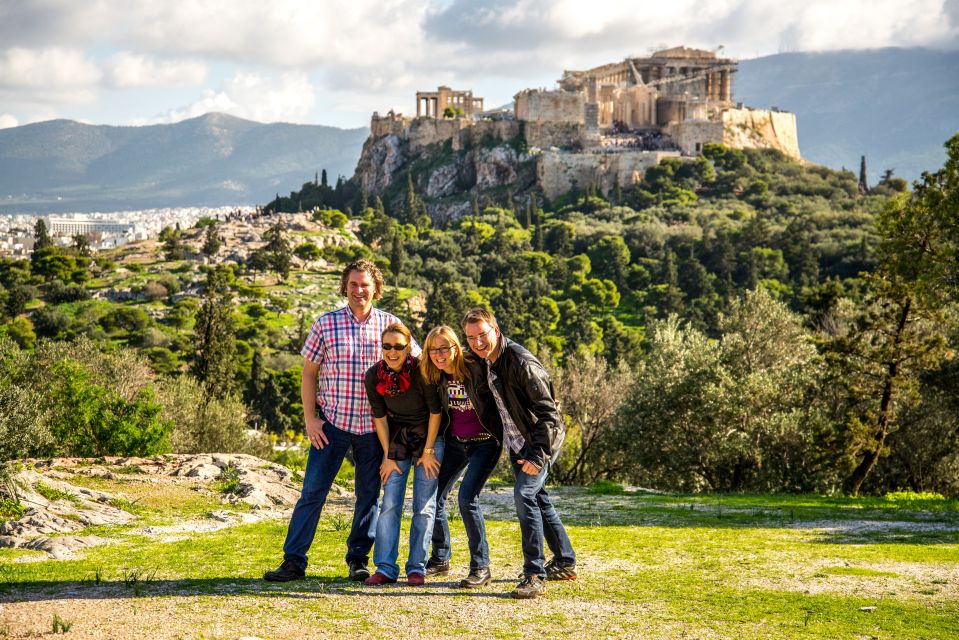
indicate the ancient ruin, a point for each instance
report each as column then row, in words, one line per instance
column 435, row 104
column 603, row 126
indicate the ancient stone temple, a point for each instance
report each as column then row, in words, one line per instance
column 435, row 103
column 670, row 86
column 602, row 127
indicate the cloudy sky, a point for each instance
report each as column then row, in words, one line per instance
column 333, row 62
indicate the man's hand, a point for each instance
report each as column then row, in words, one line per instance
column 529, row 467
column 314, row 432
column 388, row 467
column 431, row 465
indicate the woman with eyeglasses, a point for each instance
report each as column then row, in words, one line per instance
column 474, row 440
column 407, row 415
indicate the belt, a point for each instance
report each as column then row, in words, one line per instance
column 479, row 438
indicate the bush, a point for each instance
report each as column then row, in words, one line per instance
column 23, row 427
column 95, row 420
column 206, row 425
column 49, row 322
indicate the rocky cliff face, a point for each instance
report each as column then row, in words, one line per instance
column 447, row 171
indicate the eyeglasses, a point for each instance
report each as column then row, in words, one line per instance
column 441, row 351
column 475, row 339
column 393, row 347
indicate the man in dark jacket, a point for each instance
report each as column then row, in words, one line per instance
column 533, row 432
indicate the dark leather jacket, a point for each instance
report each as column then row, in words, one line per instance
column 527, row 391
column 477, row 388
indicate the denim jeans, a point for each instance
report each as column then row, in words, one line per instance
column 322, row 465
column 386, row 550
column 479, row 459
column 538, row 520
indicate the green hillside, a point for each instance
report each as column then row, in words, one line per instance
column 736, row 322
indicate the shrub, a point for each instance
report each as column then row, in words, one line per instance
column 203, row 424
column 95, row 420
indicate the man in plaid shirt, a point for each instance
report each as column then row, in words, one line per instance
column 341, row 346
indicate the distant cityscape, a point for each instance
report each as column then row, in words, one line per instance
column 103, row 230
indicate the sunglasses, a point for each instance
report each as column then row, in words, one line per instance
column 393, row 347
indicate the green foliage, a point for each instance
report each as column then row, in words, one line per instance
column 96, row 421
column 229, row 481
column 203, row 424
column 52, row 494
column 605, row 488
column 10, row 509
column 211, row 241
column 728, row 415
column 213, row 359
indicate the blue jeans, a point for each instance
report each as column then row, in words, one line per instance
column 388, row 526
column 322, row 465
column 479, row 459
column 538, row 520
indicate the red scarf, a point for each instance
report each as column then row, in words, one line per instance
column 394, row 383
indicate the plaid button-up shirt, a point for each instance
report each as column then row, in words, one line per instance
column 345, row 348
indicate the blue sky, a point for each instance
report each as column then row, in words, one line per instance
column 334, row 62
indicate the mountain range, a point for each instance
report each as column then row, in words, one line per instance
column 215, row 159
column 895, row 106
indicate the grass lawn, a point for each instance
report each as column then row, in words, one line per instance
column 651, row 566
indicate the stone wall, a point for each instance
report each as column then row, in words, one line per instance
column 691, row 135
column 381, row 126
column 424, row 132
column 501, row 130
column 556, row 172
column 761, row 129
column 535, row 105
column 561, row 135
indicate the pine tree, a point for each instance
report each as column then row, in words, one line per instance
column 863, row 185
column 323, row 181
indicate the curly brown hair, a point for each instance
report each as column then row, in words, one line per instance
column 368, row 268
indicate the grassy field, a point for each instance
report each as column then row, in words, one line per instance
column 651, row 566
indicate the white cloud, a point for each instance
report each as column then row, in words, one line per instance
column 7, row 120
column 287, row 98
column 127, row 70
column 53, row 68
column 378, row 52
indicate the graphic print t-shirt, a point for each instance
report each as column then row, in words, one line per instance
column 463, row 418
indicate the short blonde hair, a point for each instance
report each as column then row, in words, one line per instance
column 368, row 268
column 431, row 373
column 479, row 314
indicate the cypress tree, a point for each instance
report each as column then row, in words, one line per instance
column 214, row 358
column 41, row 235
column 211, row 243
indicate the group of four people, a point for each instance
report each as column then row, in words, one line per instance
column 367, row 387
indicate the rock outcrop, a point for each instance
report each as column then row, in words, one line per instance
column 58, row 503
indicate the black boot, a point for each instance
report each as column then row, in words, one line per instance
column 476, row 578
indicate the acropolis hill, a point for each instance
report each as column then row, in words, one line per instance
column 602, row 127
